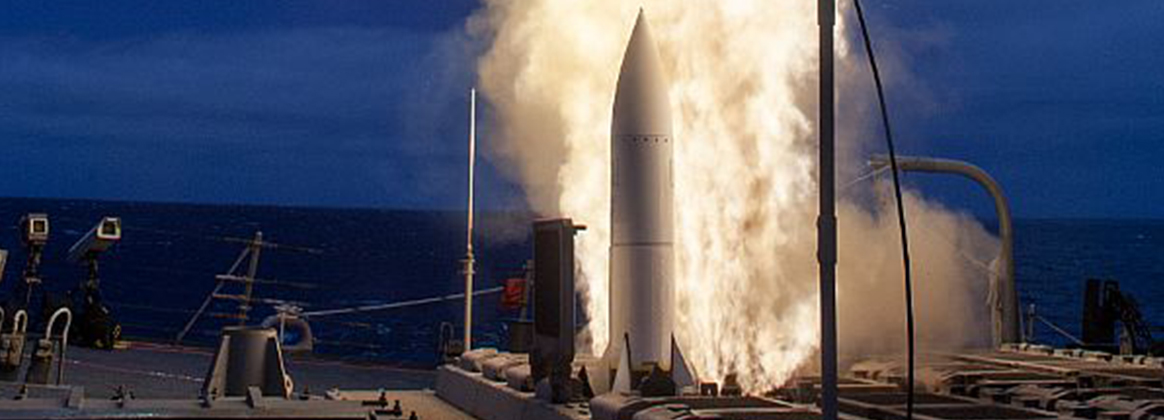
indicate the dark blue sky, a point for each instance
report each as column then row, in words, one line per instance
column 361, row 103
column 1061, row 101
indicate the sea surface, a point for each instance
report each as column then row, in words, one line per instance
column 156, row 278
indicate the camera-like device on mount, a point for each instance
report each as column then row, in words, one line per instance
column 34, row 234
column 34, row 229
column 100, row 238
column 95, row 326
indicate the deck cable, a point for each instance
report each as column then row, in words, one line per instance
column 909, row 324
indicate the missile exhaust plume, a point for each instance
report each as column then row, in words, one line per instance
column 742, row 80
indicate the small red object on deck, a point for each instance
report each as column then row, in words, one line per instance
column 513, row 296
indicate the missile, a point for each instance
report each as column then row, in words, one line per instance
column 642, row 258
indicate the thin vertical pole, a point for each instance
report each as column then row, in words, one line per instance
column 469, row 239
column 252, row 270
column 827, row 220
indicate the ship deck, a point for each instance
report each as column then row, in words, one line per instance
column 1014, row 383
column 159, row 371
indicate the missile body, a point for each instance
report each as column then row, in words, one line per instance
column 642, row 259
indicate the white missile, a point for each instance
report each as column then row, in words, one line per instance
column 642, row 259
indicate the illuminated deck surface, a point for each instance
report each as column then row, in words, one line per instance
column 1017, row 384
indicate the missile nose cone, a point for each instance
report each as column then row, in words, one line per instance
column 641, row 104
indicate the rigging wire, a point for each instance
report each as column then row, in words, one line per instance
column 867, row 175
column 909, row 322
column 395, row 305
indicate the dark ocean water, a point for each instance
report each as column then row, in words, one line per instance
column 164, row 267
column 1054, row 257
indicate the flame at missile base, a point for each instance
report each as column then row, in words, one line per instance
column 742, row 88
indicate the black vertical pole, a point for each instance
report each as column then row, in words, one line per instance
column 827, row 220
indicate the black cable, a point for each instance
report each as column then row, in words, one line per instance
column 900, row 209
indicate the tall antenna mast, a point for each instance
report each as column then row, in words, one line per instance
column 469, row 236
column 826, row 222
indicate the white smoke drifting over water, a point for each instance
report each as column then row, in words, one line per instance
column 742, row 78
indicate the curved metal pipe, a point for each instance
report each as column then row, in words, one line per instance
column 1005, row 316
column 48, row 334
column 20, row 322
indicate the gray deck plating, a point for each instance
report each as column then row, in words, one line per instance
column 161, row 371
column 152, row 371
column 165, row 381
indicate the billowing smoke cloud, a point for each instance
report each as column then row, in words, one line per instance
column 742, row 77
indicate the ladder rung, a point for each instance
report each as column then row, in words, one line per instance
column 231, row 297
column 228, row 316
column 232, row 277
